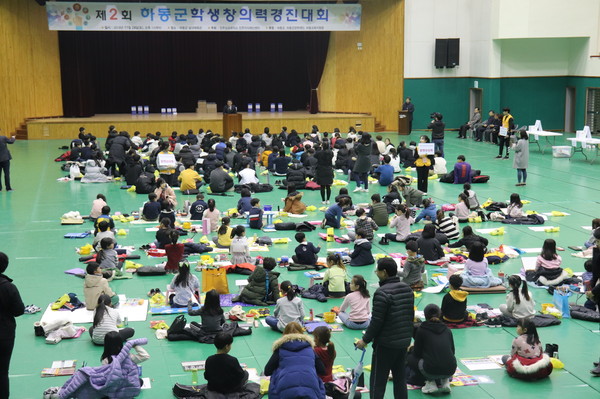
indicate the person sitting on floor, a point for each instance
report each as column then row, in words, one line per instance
column 293, row 201
column 527, row 361
column 151, row 209
column 294, row 366
column 477, row 273
column 433, row 355
column 211, row 314
column 547, row 265
column 359, row 303
column 454, row 303
column 106, row 319
column 222, row 371
column 362, row 255
column 429, row 245
column 306, row 253
column 184, row 287
column 336, row 277
column 262, row 287
column 289, row 309
column 414, row 267
column 468, row 239
column 519, row 305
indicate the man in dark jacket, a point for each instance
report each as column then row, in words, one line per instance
column 390, row 330
column 117, row 152
column 5, row 161
column 437, row 132
column 11, row 306
column 410, row 107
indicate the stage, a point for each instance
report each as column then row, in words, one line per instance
column 68, row 128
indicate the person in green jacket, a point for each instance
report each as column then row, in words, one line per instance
column 256, row 292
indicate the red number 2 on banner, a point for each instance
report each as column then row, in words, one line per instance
column 113, row 14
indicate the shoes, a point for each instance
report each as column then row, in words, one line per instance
column 494, row 323
column 445, row 386
column 551, row 350
column 499, row 157
column 357, row 190
column 519, row 184
column 506, row 157
column 429, row 387
column 323, row 223
column 51, row 393
column 365, row 190
column 324, row 202
column 328, row 202
column 31, row 309
column 596, row 371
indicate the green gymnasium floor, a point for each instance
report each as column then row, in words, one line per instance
column 32, row 236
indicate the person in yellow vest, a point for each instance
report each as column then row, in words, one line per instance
column 508, row 123
column 190, row 180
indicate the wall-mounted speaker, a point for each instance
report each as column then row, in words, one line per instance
column 447, row 53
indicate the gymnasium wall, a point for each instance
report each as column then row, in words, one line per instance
column 522, row 53
column 367, row 80
column 30, row 83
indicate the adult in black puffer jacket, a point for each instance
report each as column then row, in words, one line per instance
column 390, row 330
column 433, row 354
column 296, row 175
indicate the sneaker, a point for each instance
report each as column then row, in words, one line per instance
column 31, row 309
column 429, row 387
column 499, row 157
column 328, row 202
column 494, row 323
column 357, row 190
column 324, row 202
column 445, row 386
column 365, row 190
column 506, row 157
column 596, row 371
column 51, row 393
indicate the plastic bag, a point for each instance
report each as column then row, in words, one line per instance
column 560, row 298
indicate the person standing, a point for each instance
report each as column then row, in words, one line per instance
column 5, row 158
column 508, row 124
column 324, row 171
column 11, row 306
column 521, row 160
column 390, row 330
column 410, row 107
column 230, row 108
column 475, row 119
column 362, row 163
column 437, row 132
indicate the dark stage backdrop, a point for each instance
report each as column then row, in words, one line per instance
column 108, row 72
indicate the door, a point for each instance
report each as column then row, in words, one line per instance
column 592, row 109
column 475, row 100
column 570, row 109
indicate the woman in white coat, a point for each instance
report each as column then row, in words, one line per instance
column 521, row 159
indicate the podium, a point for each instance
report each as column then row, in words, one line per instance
column 231, row 123
column 403, row 122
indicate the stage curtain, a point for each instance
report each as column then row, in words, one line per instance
column 316, row 45
column 108, row 72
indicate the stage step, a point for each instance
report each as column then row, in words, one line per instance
column 21, row 132
column 379, row 127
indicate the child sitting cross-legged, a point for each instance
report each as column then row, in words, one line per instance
column 256, row 214
column 95, row 285
column 183, row 286
column 262, row 288
column 152, row 208
column 365, row 223
column 211, row 314
column 113, row 344
column 223, row 372
column 289, row 309
column 454, row 303
column 325, row 350
column 107, row 256
column 106, row 319
column 174, row 252
column 414, row 267
column 103, row 232
column 306, row 252
column 358, row 302
column 477, row 273
column 362, row 254
column 335, row 278
column 519, row 304
column 527, row 361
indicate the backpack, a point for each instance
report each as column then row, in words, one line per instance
column 178, row 325
column 480, row 179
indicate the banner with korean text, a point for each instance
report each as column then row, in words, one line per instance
column 106, row 16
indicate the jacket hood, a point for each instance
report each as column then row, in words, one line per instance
column 436, row 328
column 211, row 157
column 92, row 280
column 296, row 165
column 294, row 342
column 459, row 295
column 363, row 242
column 416, row 259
